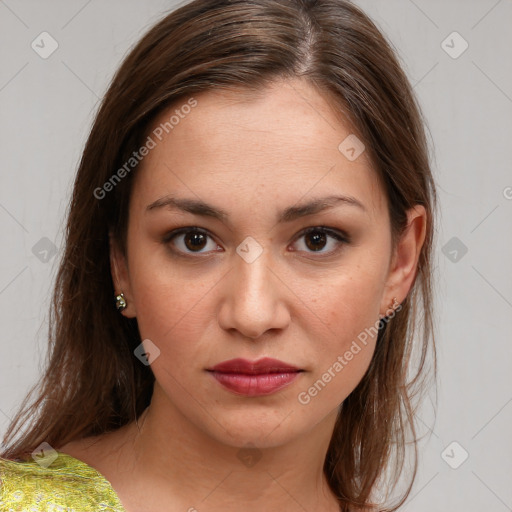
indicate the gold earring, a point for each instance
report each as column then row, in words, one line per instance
column 392, row 307
column 120, row 302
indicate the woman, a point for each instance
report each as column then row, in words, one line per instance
column 248, row 254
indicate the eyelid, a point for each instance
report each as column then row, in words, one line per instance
column 336, row 233
column 168, row 237
column 185, row 229
column 342, row 238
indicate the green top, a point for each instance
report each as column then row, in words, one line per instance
column 66, row 485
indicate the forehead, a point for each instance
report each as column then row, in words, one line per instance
column 283, row 140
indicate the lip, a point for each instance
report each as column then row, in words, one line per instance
column 264, row 365
column 254, row 378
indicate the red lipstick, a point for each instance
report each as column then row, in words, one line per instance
column 254, row 378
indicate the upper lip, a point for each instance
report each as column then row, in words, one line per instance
column 261, row 366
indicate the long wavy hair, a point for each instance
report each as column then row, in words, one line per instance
column 92, row 382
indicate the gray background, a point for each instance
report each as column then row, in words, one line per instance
column 46, row 110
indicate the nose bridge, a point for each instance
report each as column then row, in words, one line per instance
column 253, row 304
column 253, row 274
column 252, row 264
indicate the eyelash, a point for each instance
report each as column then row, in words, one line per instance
column 341, row 237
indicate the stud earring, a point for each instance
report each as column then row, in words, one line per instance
column 390, row 313
column 120, row 302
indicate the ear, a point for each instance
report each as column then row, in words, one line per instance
column 120, row 276
column 403, row 266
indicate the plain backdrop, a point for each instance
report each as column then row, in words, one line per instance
column 456, row 54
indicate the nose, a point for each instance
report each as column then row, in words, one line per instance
column 254, row 298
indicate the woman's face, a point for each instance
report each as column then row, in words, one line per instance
column 232, row 272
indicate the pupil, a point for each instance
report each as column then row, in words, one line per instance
column 316, row 237
column 196, row 239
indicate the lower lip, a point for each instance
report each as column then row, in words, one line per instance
column 255, row 385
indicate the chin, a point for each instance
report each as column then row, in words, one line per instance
column 261, row 430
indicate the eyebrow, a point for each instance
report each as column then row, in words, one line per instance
column 198, row 207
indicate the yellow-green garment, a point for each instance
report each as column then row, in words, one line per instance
column 67, row 485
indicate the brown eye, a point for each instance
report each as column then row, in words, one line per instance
column 189, row 241
column 317, row 238
column 194, row 241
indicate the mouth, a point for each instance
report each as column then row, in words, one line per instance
column 254, row 378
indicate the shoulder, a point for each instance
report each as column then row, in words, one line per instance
column 57, row 483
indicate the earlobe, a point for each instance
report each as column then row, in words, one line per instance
column 404, row 264
column 123, row 299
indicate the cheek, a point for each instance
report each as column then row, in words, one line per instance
column 349, row 312
column 350, row 300
column 171, row 308
column 341, row 358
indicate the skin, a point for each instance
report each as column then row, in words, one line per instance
column 252, row 156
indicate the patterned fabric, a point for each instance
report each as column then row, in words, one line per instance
column 66, row 485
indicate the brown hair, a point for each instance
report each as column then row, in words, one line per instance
column 93, row 383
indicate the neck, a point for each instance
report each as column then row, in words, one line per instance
column 198, row 472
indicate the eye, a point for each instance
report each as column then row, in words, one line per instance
column 189, row 240
column 317, row 238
